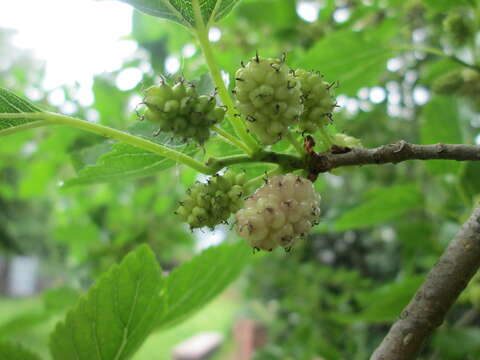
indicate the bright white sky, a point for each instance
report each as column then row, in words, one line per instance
column 80, row 38
column 76, row 38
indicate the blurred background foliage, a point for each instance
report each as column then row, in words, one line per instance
column 383, row 227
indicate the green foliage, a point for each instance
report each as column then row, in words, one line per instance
column 126, row 162
column 54, row 300
column 440, row 123
column 198, row 281
column 445, row 5
column 339, row 55
column 116, row 315
column 385, row 303
column 181, row 11
column 380, row 206
column 10, row 351
column 129, row 301
column 11, row 103
column 470, row 178
column 458, row 344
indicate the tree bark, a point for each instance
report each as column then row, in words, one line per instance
column 427, row 309
column 391, row 153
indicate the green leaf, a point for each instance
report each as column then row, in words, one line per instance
column 470, row 177
column 22, row 322
column 126, row 162
column 382, row 205
column 195, row 283
column 440, row 124
column 444, row 5
column 181, row 11
column 458, row 344
column 11, row 351
column 11, row 103
column 386, row 303
column 353, row 59
column 116, row 315
column 60, row 298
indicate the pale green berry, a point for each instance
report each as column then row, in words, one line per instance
column 268, row 98
column 318, row 100
column 209, row 204
column 181, row 111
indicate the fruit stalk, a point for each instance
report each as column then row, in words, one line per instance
column 111, row 133
column 202, row 35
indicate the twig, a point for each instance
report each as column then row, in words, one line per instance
column 393, row 153
column 428, row 307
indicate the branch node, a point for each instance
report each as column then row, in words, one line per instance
column 400, row 146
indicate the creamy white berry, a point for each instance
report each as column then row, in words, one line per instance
column 278, row 213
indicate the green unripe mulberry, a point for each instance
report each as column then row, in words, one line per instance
column 449, row 83
column 464, row 82
column 268, row 98
column 346, row 140
column 458, row 27
column 181, row 111
column 212, row 203
column 471, row 84
column 318, row 100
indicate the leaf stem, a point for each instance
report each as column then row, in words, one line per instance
column 115, row 134
column 259, row 179
column 326, row 137
column 286, row 161
column 231, row 139
column 202, row 35
column 296, row 144
column 434, row 51
column 26, row 126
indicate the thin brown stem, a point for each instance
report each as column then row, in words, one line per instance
column 392, row 153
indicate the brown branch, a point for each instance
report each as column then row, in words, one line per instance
column 337, row 156
column 428, row 307
column 391, row 153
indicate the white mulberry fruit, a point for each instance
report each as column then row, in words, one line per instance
column 212, row 203
column 180, row 110
column 278, row 213
column 268, row 98
column 318, row 100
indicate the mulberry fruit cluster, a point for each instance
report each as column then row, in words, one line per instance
column 278, row 213
column 464, row 83
column 212, row 203
column 318, row 100
column 458, row 27
column 180, row 110
column 268, row 97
